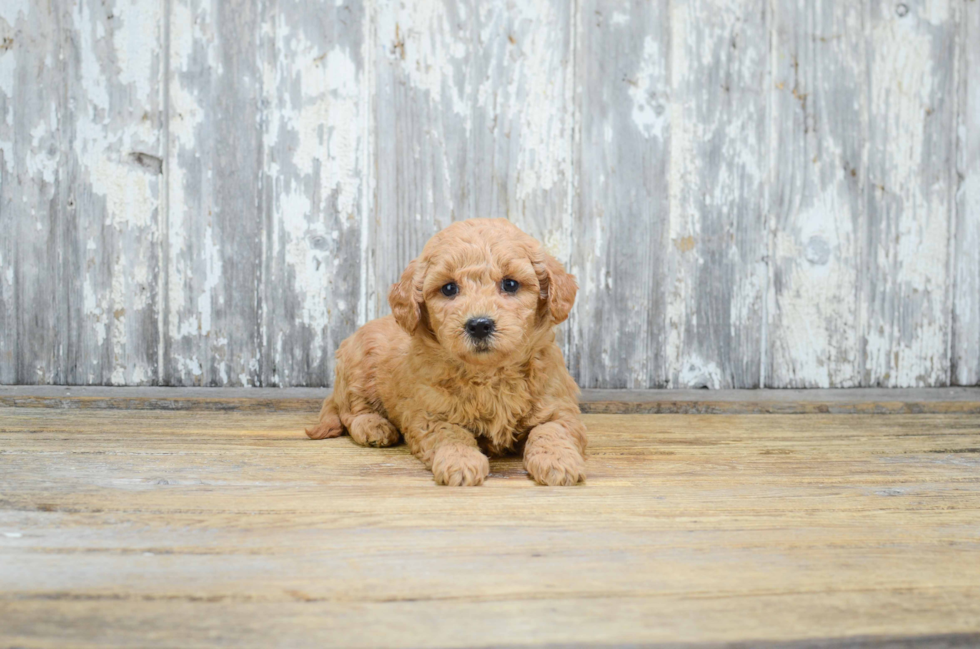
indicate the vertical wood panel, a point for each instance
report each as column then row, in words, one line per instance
column 617, row 328
column 113, row 59
column 966, row 294
column 215, row 233
column 910, row 159
column 474, row 112
column 314, row 185
column 864, row 119
column 817, row 197
column 715, row 257
column 33, row 193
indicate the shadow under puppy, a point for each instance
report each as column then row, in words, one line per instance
column 467, row 361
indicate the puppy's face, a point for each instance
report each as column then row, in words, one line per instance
column 481, row 300
column 482, row 289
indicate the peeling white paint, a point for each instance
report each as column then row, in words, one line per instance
column 38, row 162
column 698, row 373
column 422, row 35
column 140, row 376
column 683, row 221
column 319, row 104
column 937, row 12
column 117, row 319
column 965, row 341
column 190, row 30
column 914, row 229
column 819, row 298
column 211, row 253
column 13, row 10
column 136, row 24
column 540, row 110
column 487, row 100
column 95, row 311
column 815, row 248
column 649, row 111
column 619, row 18
column 93, row 74
column 191, row 366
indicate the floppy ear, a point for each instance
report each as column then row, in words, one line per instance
column 406, row 299
column 558, row 288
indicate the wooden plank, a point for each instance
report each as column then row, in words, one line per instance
column 215, row 238
column 966, row 279
column 34, row 188
column 300, row 623
column 473, row 120
column 81, row 193
column 867, row 400
column 156, row 529
column 820, row 100
column 715, row 259
column 617, row 328
column 315, row 183
column 863, row 173
column 911, row 153
column 113, row 61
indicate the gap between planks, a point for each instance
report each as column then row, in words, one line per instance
column 849, row 401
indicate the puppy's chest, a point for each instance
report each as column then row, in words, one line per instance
column 499, row 412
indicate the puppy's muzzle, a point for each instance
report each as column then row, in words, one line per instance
column 479, row 329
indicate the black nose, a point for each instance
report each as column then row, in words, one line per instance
column 479, row 328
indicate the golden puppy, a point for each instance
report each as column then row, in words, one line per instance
column 467, row 361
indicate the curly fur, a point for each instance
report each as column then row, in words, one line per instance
column 417, row 374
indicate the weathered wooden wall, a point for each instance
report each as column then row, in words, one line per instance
column 217, row 192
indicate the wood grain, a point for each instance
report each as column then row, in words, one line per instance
column 911, row 157
column 818, row 198
column 114, row 56
column 719, row 63
column 214, row 230
column 315, row 124
column 617, row 329
column 159, row 529
column 864, row 189
column 966, row 287
column 776, row 194
column 34, row 187
column 81, row 192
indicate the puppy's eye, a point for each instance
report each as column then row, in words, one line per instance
column 450, row 289
column 510, row 285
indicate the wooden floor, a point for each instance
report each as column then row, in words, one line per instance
column 188, row 528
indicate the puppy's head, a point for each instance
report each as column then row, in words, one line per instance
column 483, row 290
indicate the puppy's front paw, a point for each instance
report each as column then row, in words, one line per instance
column 374, row 430
column 459, row 466
column 555, row 467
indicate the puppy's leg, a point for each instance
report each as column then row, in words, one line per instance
column 449, row 451
column 555, row 452
column 329, row 424
column 371, row 429
column 354, row 403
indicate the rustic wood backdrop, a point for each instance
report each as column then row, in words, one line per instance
column 779, row 193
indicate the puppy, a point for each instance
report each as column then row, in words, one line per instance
column 467, row 361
